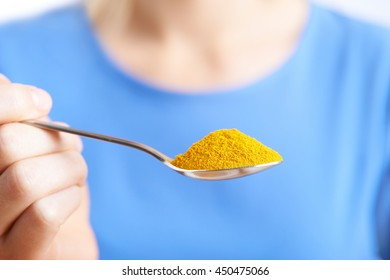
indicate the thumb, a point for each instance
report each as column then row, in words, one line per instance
column 4, row 79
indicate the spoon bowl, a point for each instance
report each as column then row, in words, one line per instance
column 223, row 174
column 211, row 175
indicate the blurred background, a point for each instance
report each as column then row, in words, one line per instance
column 373, row 10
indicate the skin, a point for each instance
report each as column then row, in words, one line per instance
column 43, row 193
column 201, row 45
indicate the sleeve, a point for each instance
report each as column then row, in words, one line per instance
column 383, row 206
column 383, row 217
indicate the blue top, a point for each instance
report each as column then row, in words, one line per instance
column 326, row 110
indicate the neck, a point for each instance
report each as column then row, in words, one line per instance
column 226, row 42
column 199, row 20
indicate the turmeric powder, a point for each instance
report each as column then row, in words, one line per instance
column 223, row 149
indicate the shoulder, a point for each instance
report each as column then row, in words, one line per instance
column 41, row 29
column 54, row 21
column 352, row 48
column 34, row 40
column 353, row 32
column 345, row 22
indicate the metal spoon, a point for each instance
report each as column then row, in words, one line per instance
column 221, row 174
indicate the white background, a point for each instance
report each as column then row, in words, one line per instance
column 278, row 270
column 374, row 10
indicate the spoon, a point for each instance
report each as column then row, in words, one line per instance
column 221, row 174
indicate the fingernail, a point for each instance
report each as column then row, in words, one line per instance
column 41, row 99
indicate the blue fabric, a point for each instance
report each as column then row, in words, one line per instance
column 326, row 110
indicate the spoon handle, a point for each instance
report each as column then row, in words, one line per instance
column 139, row 146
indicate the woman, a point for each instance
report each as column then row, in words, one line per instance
column 312, row 84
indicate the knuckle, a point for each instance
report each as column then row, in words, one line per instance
column 8, row 142
column 79, row 162
column 45, row 214
column 19, row 181
column 54, row 209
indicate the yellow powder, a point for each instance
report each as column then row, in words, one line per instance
column 223, row 149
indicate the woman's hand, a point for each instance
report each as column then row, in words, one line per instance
column 43, row 194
